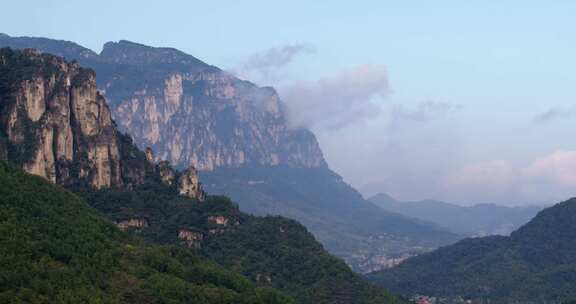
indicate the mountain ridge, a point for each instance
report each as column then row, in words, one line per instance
column 535, row 264
column 476, row 220
column 149, row 89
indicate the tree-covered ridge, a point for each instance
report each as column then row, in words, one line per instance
column 536, row 264
column 272, row 251
column 55, row 249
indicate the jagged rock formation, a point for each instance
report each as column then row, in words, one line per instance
column 188, row 184
column 191, row 239
column 54, row 123
column 191, row 113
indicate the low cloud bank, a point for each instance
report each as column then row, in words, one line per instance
column 337, row 101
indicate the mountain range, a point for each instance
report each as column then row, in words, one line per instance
column 535, row 264
column 86, row 215
column 476, row 220
column 236, row 134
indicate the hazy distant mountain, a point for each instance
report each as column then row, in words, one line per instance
column 535, row 264
column 236, row 133
column 477, row 220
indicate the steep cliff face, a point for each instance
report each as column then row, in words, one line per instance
column 54, row 123
column 188, row 112
column 189, row 185
column 191, row 113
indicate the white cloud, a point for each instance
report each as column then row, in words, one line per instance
column 336, row 101
column 266, row 67
column 550, row 179
column 492, row 174
column 558, row 167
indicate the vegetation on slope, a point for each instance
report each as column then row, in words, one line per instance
column 54, row 248
column 349, row 226
column 272, row 251
column 536, row 264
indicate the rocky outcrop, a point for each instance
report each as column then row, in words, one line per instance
column 192, row 239
column 220, row 224
column 219, row 220
column 188, row 185
column 134, row 223
column 56, row 123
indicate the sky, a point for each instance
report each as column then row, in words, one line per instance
column 464, row 101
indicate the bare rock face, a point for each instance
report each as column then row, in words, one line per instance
column 192, row 113
column 219, row 220
column 188, row 185
column 189, row 112
column 191, row 239
column 54, row 123
column 133, row 223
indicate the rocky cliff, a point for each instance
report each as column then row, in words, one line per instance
column 193, row 113
column 54, row 123
column 188, row 112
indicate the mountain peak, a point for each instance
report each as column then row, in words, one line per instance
column 132, row 53
column 63, row 48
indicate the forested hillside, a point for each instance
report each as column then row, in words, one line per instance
column 54, row 248
column 536, row 264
